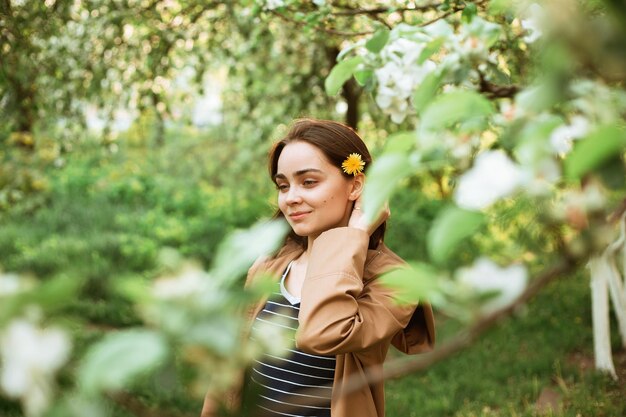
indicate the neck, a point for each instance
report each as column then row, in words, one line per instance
column 309, row 246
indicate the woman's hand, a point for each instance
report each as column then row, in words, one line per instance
column 358, row 221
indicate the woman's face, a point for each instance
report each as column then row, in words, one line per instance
column 313, row 194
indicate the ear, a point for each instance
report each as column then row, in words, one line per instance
column 358, row 182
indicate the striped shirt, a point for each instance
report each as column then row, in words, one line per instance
column 295, row 385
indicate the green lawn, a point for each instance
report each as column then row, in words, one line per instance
column 549, row 346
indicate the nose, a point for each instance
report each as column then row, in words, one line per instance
column 293, row 196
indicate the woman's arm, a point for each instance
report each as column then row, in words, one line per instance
column 338, row 313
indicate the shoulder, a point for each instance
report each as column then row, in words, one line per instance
column 274, row 263
column 381, row 260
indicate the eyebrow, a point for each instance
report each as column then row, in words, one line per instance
column 297, row 173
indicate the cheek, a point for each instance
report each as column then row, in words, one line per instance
column 281, row 203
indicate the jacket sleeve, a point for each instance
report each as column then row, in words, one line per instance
column 338, row 313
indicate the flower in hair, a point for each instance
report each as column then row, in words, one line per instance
column 353, row 164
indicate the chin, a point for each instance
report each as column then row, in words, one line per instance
column 302, row 232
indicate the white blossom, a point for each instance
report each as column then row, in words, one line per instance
column 459, row 146
column 188, row 283
column 399, row 76
column 466, row 45
column 540, row 176
column 30, row 358
column 274, row 4
column 508, row 112
column 471, row 43
column 591, row 198
column 485, row 276
column 493, row 176
column 272, row 336
column 403, row 52
column 562, row 137
column 9, row 284
column 319, row 3
column 532, row 24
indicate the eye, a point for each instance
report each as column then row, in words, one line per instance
column 309, row 183
column 282, row 187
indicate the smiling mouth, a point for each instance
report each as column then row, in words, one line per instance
column 299, row 215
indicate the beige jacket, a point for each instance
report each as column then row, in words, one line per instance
column 345, row 311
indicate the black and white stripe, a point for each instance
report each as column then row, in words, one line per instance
column 298, row 384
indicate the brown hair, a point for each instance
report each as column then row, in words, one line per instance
column 336, row 141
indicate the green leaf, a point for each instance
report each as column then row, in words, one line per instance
column 417, row 283
column 114, row 361
column 239, row 250
column 382, row 178
column 469, row 12
column 378, row 41
column 133, row 288
column 612, row 173
column 220, row 333
column 536, row 98
column 54, row 293
column 50, row 296
column 500, row 7
column 488, row 31
column 450, row 228
column 400, row 142
column 363, row 76
column 455, row 107
column 430, row 48
column 426, row 91
column 532, row 143
column 594, row 150
column 340, row 74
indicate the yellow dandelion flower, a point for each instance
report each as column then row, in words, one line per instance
column 353, row 164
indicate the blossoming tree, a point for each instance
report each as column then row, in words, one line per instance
column 502, row 138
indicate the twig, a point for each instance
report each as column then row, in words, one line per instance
column 381, row 10
column 465, row 338
column 496, row 91
column 323, row 29
column 456, row 8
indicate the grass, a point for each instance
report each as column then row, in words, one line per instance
column 548, row 346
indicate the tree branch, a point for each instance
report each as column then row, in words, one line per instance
column 323, row 29
column 496, row 91
column 465, row 338
column 382, row 10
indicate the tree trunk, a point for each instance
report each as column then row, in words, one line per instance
column 350, row 91
column 159, row 133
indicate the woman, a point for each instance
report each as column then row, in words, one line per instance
column 344, row 319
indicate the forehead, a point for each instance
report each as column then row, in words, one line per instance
column 301, row 155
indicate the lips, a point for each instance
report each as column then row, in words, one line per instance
column 299, row 215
